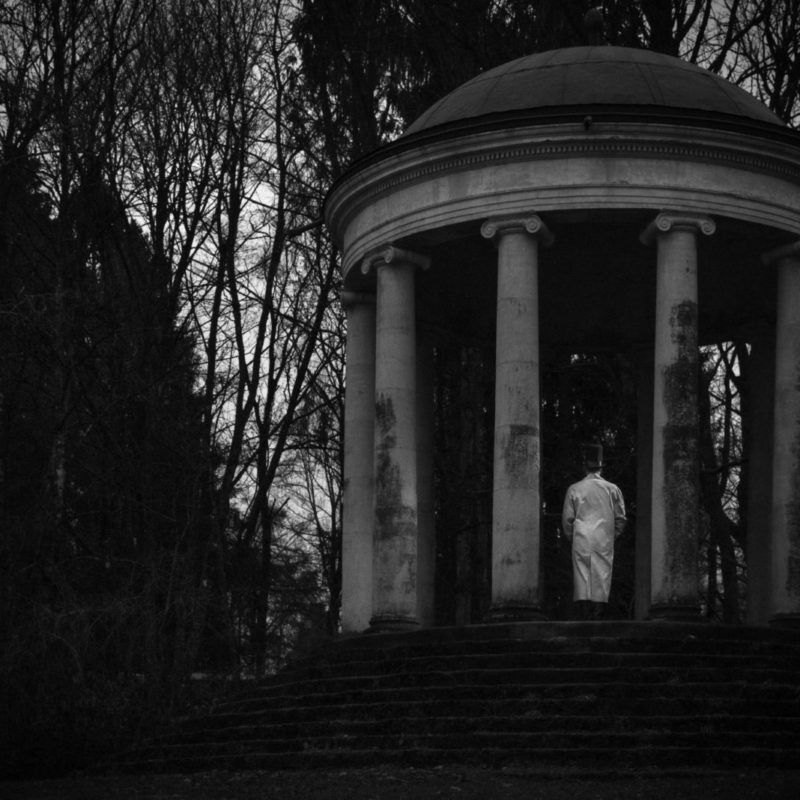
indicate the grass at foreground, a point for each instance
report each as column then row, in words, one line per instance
column 402, row 783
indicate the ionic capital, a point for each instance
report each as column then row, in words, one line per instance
column 786, row 251
column 532, row 224
column 668, row 221
column 391, row 255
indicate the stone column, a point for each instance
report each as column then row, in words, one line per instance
column 676, row 491
column 394, row 604
column 359, row 448
column 644, row 479
column 426, row 529
column 516, row 495
column 760, row 403
column 785, row 531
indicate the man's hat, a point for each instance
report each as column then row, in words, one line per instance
column 592, row 455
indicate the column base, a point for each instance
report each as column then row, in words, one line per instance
column 392, row 624
column 674, row 613
column 790, row 621
column 518, row 613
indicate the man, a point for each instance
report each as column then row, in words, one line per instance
column 593, row 517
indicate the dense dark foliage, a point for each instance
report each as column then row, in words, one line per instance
column 163, row 315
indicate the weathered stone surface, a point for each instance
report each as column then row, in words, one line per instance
column 395, row 540
column 656, row 694
column 675, row 506
column 785, row 539
column 359, row 447
column 517, row 459
column 597, row 164
column 592, row 76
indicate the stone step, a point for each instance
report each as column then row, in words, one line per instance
column 592, row 649
column 531, row 676
column 552, row 758
column 585, row 704
column 535, row 660
column 552, row 693
column 389, row 652
column 708, row 694
column 623, row 744
column 346, row 726
column 612, row 636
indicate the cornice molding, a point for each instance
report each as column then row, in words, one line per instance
column 362, row 188
column 781, row 213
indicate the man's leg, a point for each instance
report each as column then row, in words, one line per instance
column 599, row 610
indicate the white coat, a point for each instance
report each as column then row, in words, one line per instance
column 593, row 517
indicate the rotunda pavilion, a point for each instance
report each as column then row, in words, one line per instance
column 590, row 197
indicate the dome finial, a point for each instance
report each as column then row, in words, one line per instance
column 594, row 25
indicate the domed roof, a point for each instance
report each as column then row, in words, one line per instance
column 579, row 78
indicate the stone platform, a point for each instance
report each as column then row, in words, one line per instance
column 539, row 694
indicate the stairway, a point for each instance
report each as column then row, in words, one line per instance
column 594, row 694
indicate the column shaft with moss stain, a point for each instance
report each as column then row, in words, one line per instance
column 359, row 449
column 644, row 483
column 517, row 450
column 785, row 530
column 426, row 526
column 676, row 487
column 758, row 404
column 394, row 605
